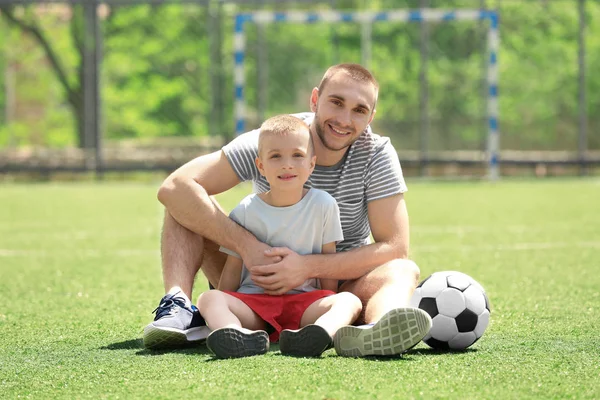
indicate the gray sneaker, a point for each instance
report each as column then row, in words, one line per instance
column 235, row 343
column 309, row 341
column 396, row 332
column 175, row 325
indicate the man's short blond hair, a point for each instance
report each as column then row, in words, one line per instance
column 281, row 125
column 356, row 71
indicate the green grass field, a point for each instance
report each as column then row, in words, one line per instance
column 80, row 275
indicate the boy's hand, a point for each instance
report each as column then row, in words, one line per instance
column 282, row 276
column 257, row 254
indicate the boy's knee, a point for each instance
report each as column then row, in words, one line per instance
column 351, row 301
column 208, row 297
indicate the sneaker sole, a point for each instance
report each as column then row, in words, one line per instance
column 396, row 332
column 232, row 343
column 310, row 341
column 156, row 337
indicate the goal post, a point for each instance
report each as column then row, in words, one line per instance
column 400, row 16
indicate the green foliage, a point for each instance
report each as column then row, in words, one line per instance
column 80, row 275
column 156, row 72
column 3, row 63
column 156, row 80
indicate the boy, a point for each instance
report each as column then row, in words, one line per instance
column 305, row 220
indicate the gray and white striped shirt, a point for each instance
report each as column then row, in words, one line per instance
column 370, row 170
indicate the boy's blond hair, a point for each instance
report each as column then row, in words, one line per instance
column 281, row 125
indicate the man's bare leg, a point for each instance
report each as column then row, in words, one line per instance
column 177, row 321
column 393, row 327
column 183, row 252
column 385, row 288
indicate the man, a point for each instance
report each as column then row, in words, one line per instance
column 358, row 168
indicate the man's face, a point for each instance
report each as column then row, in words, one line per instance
column 343, row 110
column 286, row 161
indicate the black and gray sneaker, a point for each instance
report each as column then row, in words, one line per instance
column 175, row 324
column 309, row 341
column 236, row 343
column 396, row 332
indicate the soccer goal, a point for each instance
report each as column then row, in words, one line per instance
column 399, row 16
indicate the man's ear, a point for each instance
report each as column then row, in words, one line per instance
column 314, row 97
column 372, row 116
column 259, row 165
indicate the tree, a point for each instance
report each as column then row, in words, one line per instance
column 25, row 19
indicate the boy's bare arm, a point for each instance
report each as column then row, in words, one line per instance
column 186, row 196
column 329, row 284
column 232, row 273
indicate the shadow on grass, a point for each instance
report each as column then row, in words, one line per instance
column 196, row 350
column 433, row 352
column 138, row 344
column 201, row 349
column 124, row 345
column 273, row 348
column 409, row 355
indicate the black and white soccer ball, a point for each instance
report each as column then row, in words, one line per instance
column 458, row 306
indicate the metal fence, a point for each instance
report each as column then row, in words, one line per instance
column 136, row 85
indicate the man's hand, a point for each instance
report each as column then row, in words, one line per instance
column 280, row 277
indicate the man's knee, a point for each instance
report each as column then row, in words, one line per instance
column 398, row 270
column 407, row 269
column 400, row 273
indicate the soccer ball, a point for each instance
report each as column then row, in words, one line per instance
column 458, row 306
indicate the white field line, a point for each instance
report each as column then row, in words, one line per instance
column 80, row 253
column 449, row 229
column 509, row 247
column 420, row 249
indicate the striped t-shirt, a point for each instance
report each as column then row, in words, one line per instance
column 370, row 170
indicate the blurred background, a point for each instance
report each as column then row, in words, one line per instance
column 145, row 85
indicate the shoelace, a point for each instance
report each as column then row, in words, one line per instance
column 167, row 304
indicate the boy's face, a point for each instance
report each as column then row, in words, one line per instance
column 285, row 160
column 343, row 111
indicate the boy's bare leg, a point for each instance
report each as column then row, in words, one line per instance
column 237, row 331
column 319, row 323
column 332, row 312
column 393, row 327
column 221, row 310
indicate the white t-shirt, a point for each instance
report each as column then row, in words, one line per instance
column 303, row 227
column 369, row 171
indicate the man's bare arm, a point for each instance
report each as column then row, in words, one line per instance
column 186, row 195
column 388, row 218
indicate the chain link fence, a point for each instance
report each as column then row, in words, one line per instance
column 165, row 81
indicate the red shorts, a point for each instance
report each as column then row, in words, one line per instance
column 283, row 311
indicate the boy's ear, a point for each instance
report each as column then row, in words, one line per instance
column 259, row 165
column 313, row 162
